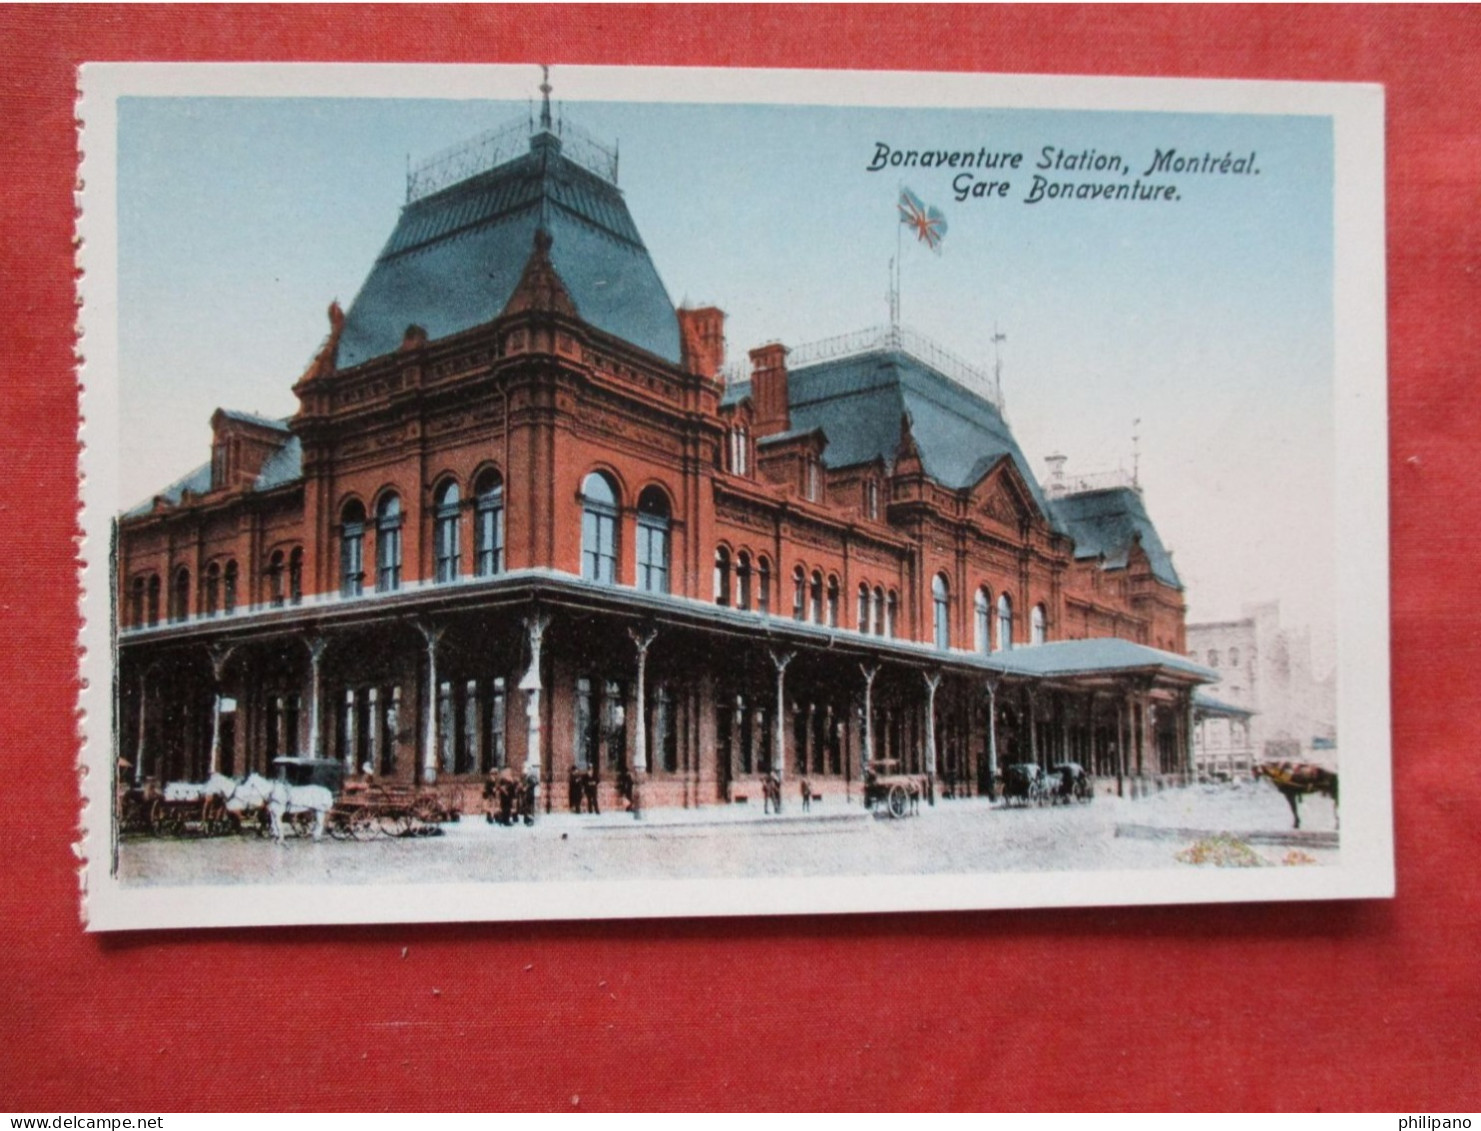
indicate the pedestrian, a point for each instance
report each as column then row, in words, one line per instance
column 806, row 795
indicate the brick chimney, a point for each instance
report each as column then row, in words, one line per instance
column 769, row 389
column 702, row 332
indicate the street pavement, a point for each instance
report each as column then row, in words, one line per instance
column 833, row 839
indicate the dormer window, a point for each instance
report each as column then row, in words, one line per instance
column 740, row 450
column 811, row 480
column 871, row 499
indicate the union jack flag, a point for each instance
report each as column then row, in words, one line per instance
column 926, row 222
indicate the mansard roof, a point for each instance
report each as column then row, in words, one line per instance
column 282, row 467
column 858, row 401
column 1108, row 522
column 457, row 255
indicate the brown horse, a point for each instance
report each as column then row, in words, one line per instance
column 1296, row 779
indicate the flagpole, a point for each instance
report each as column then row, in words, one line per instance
column 899, row 252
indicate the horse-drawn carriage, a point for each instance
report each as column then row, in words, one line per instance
column 898, row 793
column 1027, row 783
column 176, row 809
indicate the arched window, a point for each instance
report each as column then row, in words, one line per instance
column 229, row 588
column 812, row 480
column 815, row 592
column 275, row 594
column 1038, row 625
column 799, row 594
column 763, row 586
column 488, row 523
column 212, row 594
column 447, row 545
column 351, row 550
column 892, row 614
column 871, row 499
column 862, row 621
column 136, row 603
column 653, row 541
column 1213, row 658
column 1005, row 623
column 388, row 543
column 180, row 595
column 743, row 580
column 295, row 576
column 941, row 611
column 599, row 529
column 151, row 611
column 876, row 611
column 833, row 596
column 722, row 575
column 1234, row 657
column 982, row 620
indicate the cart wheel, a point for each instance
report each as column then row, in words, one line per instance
column 898, row 801
column 393, row 824
column 337, row 825
column 427, row 810
column 361, row 824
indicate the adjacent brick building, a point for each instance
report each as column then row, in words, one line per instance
column 526, row 516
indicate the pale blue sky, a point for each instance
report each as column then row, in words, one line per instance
column 1209, row 318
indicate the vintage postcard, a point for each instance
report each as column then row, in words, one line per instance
column 547, row 492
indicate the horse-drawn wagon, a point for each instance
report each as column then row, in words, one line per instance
column 372, row 808
column 898, row 793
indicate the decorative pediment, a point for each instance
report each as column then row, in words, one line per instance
column 1003, row 496
column 540, row 287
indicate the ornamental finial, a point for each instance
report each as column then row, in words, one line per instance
column 545, row 96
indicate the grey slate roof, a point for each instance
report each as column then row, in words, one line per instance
column 1103, row 654
column 198, row 481
column 283, row 466
column 277, row 425
column 456, row 256
column 1106, row 522
column 858, row 401
column 1205, row 702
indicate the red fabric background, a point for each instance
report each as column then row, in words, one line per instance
column 1352, row 1005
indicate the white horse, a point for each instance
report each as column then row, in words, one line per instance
column 283, row 800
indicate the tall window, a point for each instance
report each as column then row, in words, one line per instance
column 212, row 589
column 351, row 550
column 388, row 543
column 446, row 540
column 743, row 580
column 275, row 594
column 722, row 575
column 815, row 592
column 136, row 603
column 599, row 529
column 1038, row 625
column 295, row 576
column 941, row 611
column 229, row 588
column 871, row 499
column 833, row 597
column 876, row 611
column 488, row 523
column 982, row 620
column 1005, row 623
column 892, row 614
column 811, row 480
column 763, row 586
column 799, row 594
column 653, row 541
column 740, row 450
column 1234, row 657
column 180, row 595
column 863, row 616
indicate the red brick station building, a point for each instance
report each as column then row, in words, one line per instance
column 526, row 516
